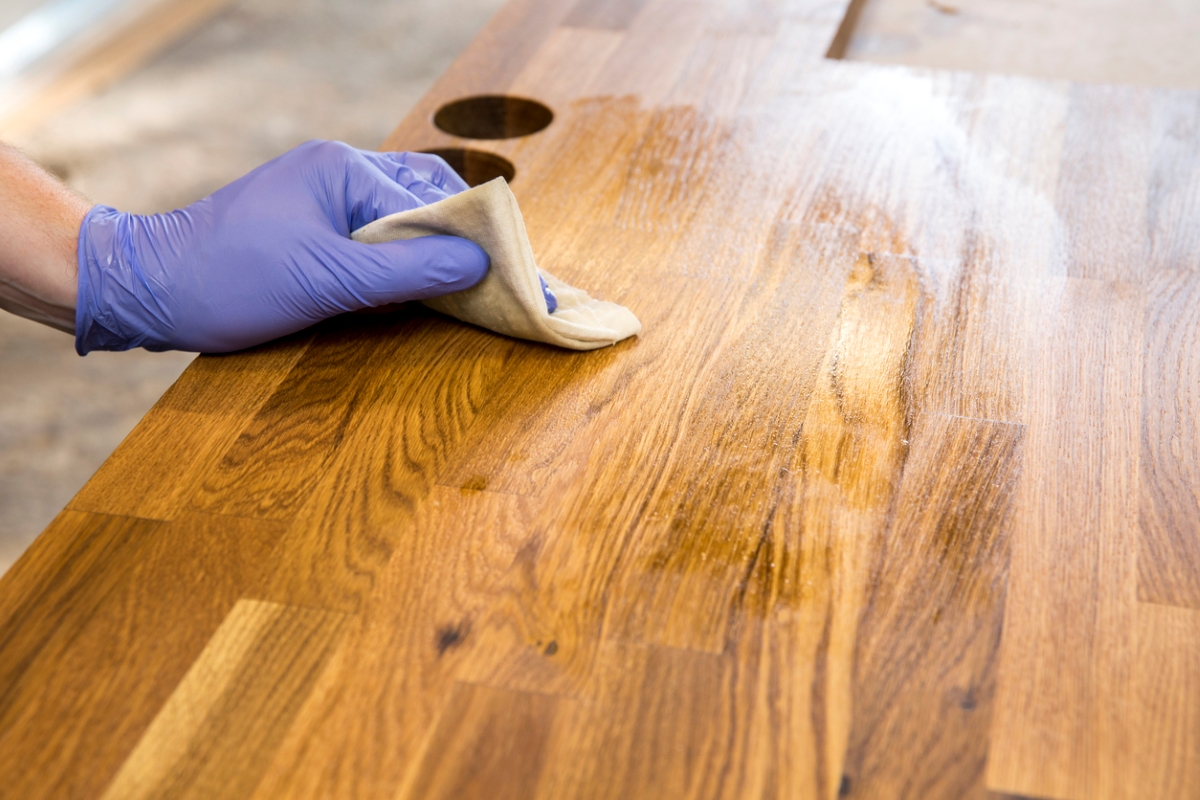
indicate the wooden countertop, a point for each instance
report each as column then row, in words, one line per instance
column 895, row 496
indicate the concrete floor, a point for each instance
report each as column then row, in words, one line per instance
column 260, row 78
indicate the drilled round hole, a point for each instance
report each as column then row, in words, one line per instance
column 476, row 166
column 493, row 116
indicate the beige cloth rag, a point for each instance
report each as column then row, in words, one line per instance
column 509, row 299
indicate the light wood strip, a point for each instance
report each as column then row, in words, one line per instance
column 720, row 72
column 804, row 593
column 972, row 351
column 1169, row 549
column 1164, row 761
column 653, row 51
column 1064, row 701
column 569, row 58
column 1111, row 154
column 1174, row 182
column 217, row 733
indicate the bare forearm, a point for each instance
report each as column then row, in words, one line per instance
column 39, row 232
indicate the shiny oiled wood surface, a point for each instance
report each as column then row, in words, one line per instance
column 897, row 494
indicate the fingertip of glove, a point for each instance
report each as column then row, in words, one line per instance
column 455, row 262
column 432, row 265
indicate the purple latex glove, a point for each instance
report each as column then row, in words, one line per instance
column 267, row 255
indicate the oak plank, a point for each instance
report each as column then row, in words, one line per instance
column 1064, row 700
column 721, row 71
column 651, row 726
column 925, row 675
column 487, row 743
column 1174, row 182
column 217, row 732
column 799, row 605
column 573, row 567
column 705, row 521
column 362, row 731
column 153, row 473
column 1163, row 761
column 570, row 222
column 972, row 353
column 569, row 58
column 86, row 544
column 397, row 437
column 1111, row 153
column 117, row 621
column 269, row 470
column 1168, row 546
column 652, row 52
column 522, row 435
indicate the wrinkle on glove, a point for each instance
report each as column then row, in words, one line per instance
column 510, row 298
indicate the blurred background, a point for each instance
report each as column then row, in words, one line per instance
column 148, row 105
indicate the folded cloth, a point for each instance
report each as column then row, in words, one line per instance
column 509, row 299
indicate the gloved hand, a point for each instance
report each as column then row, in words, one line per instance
column 267, row 255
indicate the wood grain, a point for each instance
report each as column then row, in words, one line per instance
column 893, row 497
column 153, row 473
column 1114, row 161
column 216, row 734
column 1169, row 549
column 698, row 539
column 925, row 680
column 653, row 725
column 502, row 735
column 382, row 694
column 1167, row 681
column 1064, row 700
column 361, row 506
column 114, row 624
column 269, row 470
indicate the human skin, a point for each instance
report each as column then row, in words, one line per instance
column 39, row 234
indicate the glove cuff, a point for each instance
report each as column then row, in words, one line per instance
column 115, row 307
